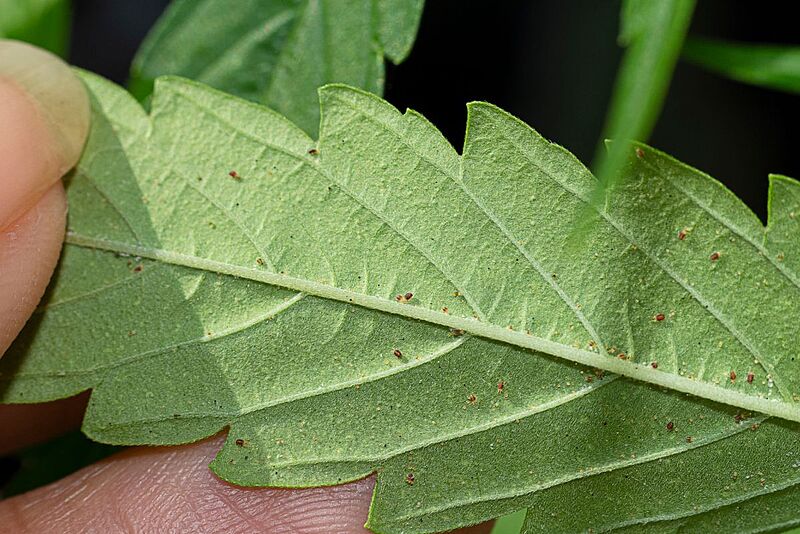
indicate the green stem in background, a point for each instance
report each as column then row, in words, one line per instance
column 772, row 66
column 653, row 33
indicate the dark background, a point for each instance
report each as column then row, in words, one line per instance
column 551, row 63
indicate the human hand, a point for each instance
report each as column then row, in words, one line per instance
column 44, row 120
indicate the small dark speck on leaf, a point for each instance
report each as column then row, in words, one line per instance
column 240, row 442
column 750, row 377
column 501, row 386
column 733, row 376
column 654, row 365
column 409, row 295
column 682, row 235
column 714, row 256
column 313, row 151
column 456, row 332
column 660, row 317
column 234, row 175
column 670, row 426
column 397, row 353
column 138, row 268
column 260, row 261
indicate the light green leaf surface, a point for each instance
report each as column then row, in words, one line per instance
column 191, row 300
column 653, row 33
column 44, row 23
column 773, row 66
column 278, row 52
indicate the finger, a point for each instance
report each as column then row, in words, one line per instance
column 27, row 424
column 170, row 489
column 44, row 118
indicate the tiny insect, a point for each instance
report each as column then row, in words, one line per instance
column 472, row 399
column 260, row 261
column 313, row 151
column 714, row 256
column 138, row 268
column 670, row 425
column 750, row 377
column 240, row 442
column 456, row 332
column 445, row 310
column 410, row 479
column 639, row 153
column 234, row 175
column 660, row 317
column 409, row 295
column 733, row 376
column 397, row 353
column 682, row 235
column 501, row 386
column 654, row 365
column 689, row 439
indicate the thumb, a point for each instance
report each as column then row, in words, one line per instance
column 44, row 120
column 171, row 489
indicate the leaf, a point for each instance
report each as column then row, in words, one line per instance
column 772, row 66
column 278, row 52
column 653, row 33
column 222, row 269
column 44, row 23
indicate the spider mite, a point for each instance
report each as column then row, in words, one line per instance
column 660, row 317
column 682, row 235
column 234, row 175
column 410, row 479
column 733, row 376
column 472, row 399
column 714, row 256
column 639, row 153
column 240, row 442
column 397, row 353
column 654, row 365
column 456, row 332
column 313, row 151
column 750, row 377
column 670, row 426
column 501, row 386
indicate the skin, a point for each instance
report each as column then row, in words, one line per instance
column 44, row 119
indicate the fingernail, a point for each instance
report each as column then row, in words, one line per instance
column 44, row 121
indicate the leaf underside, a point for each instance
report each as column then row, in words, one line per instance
column 278, row 52
column 224, row 270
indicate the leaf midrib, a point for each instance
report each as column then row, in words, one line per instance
column 474, row 326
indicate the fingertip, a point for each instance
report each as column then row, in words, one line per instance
column 29, row 251
column 44, row 122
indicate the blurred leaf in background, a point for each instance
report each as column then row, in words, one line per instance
column 45, row 463
column 653, row 33
column 278, row 52
column 771, row 66
column 44, row 23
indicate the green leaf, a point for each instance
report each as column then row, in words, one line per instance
column 191, row 300
column 653, row 33
column 773, row 66
column 44, row 23
column 278, row 52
